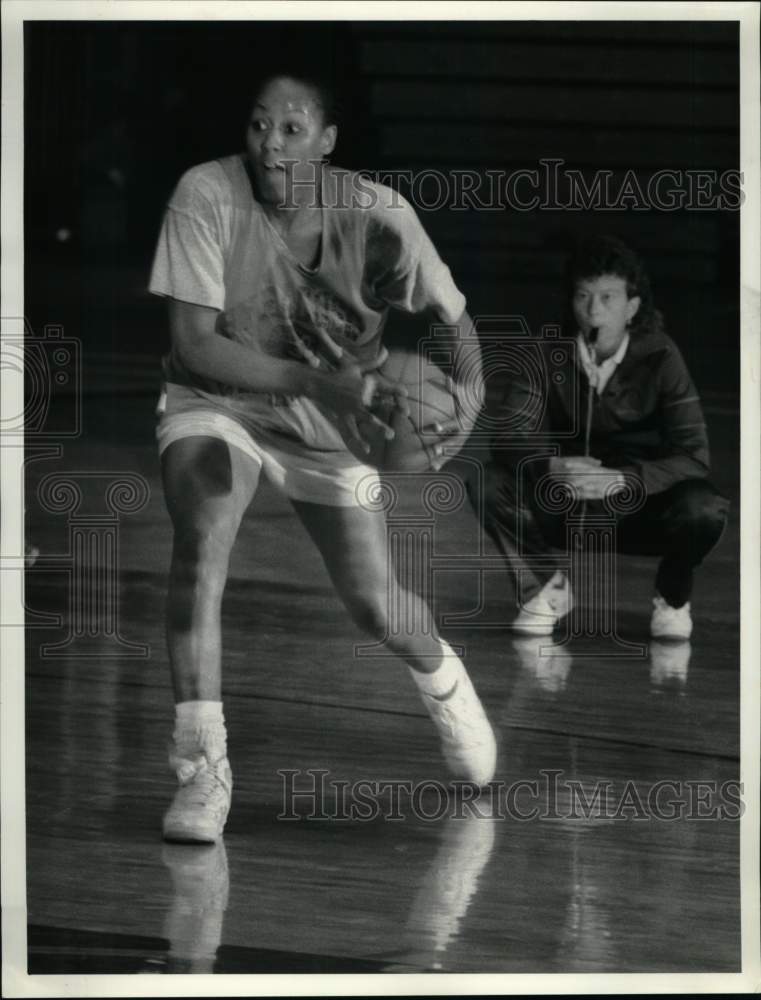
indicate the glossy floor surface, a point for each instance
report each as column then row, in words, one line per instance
column 387, row 877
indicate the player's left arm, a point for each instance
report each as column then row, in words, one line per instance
column 466, row 379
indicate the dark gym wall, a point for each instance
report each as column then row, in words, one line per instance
column 116, row 111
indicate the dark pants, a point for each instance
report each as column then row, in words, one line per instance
column 680, row 525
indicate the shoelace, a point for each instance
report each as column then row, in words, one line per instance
column 187, row 768
column 198, row 779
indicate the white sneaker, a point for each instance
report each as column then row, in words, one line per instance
column 668, row 622
column 540, row 615
column 199, row 809
column 467, row 738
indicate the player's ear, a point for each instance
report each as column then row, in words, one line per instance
column 632, row 307
column 328, row 140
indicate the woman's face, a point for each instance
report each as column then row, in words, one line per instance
column 603, row 303
column 286, row 138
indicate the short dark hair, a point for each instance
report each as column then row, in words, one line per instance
column 594, row 256
column 323, row 89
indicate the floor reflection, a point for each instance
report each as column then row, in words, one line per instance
column 548, row 663
column 201, row 886
column 200, row 891
column 669, row 664
column 448, row 887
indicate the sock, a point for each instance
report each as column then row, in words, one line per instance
column 192, row 714
column 444, row 679
column 200, row 726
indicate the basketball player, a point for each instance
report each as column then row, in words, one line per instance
column 646, row 422
column 280, row 271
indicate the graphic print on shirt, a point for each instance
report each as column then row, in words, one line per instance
column 274, row 319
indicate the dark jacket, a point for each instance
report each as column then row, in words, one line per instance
column 648, row 419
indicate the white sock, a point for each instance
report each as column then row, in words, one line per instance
column 200, row 725
column 443, row 680
column 194, row 714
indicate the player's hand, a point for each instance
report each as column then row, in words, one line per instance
column 378, row 386
column 438, row 436
column 353, row 392
column 349, row 394
column 444, row 438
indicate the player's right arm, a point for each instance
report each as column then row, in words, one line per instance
column 203, row 351
column 346, row 391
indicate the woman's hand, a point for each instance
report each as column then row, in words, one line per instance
column 587, row 476
column 570, row 465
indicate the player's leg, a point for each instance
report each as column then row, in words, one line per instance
column 208, row 484
column 681, row 525
column 353, row 544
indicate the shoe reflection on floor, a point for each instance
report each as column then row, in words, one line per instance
column 193, row 925
column 201, row 887
column 448, row 887
column 669, row 664
column 545, row 661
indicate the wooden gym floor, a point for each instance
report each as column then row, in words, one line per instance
column 453, row 890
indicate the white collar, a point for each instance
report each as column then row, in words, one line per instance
column 612, row 361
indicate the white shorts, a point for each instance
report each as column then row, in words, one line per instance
column 298, row 449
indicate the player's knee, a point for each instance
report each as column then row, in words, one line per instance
column 203, row 551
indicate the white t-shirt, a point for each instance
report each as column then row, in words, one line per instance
column 218, row 249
